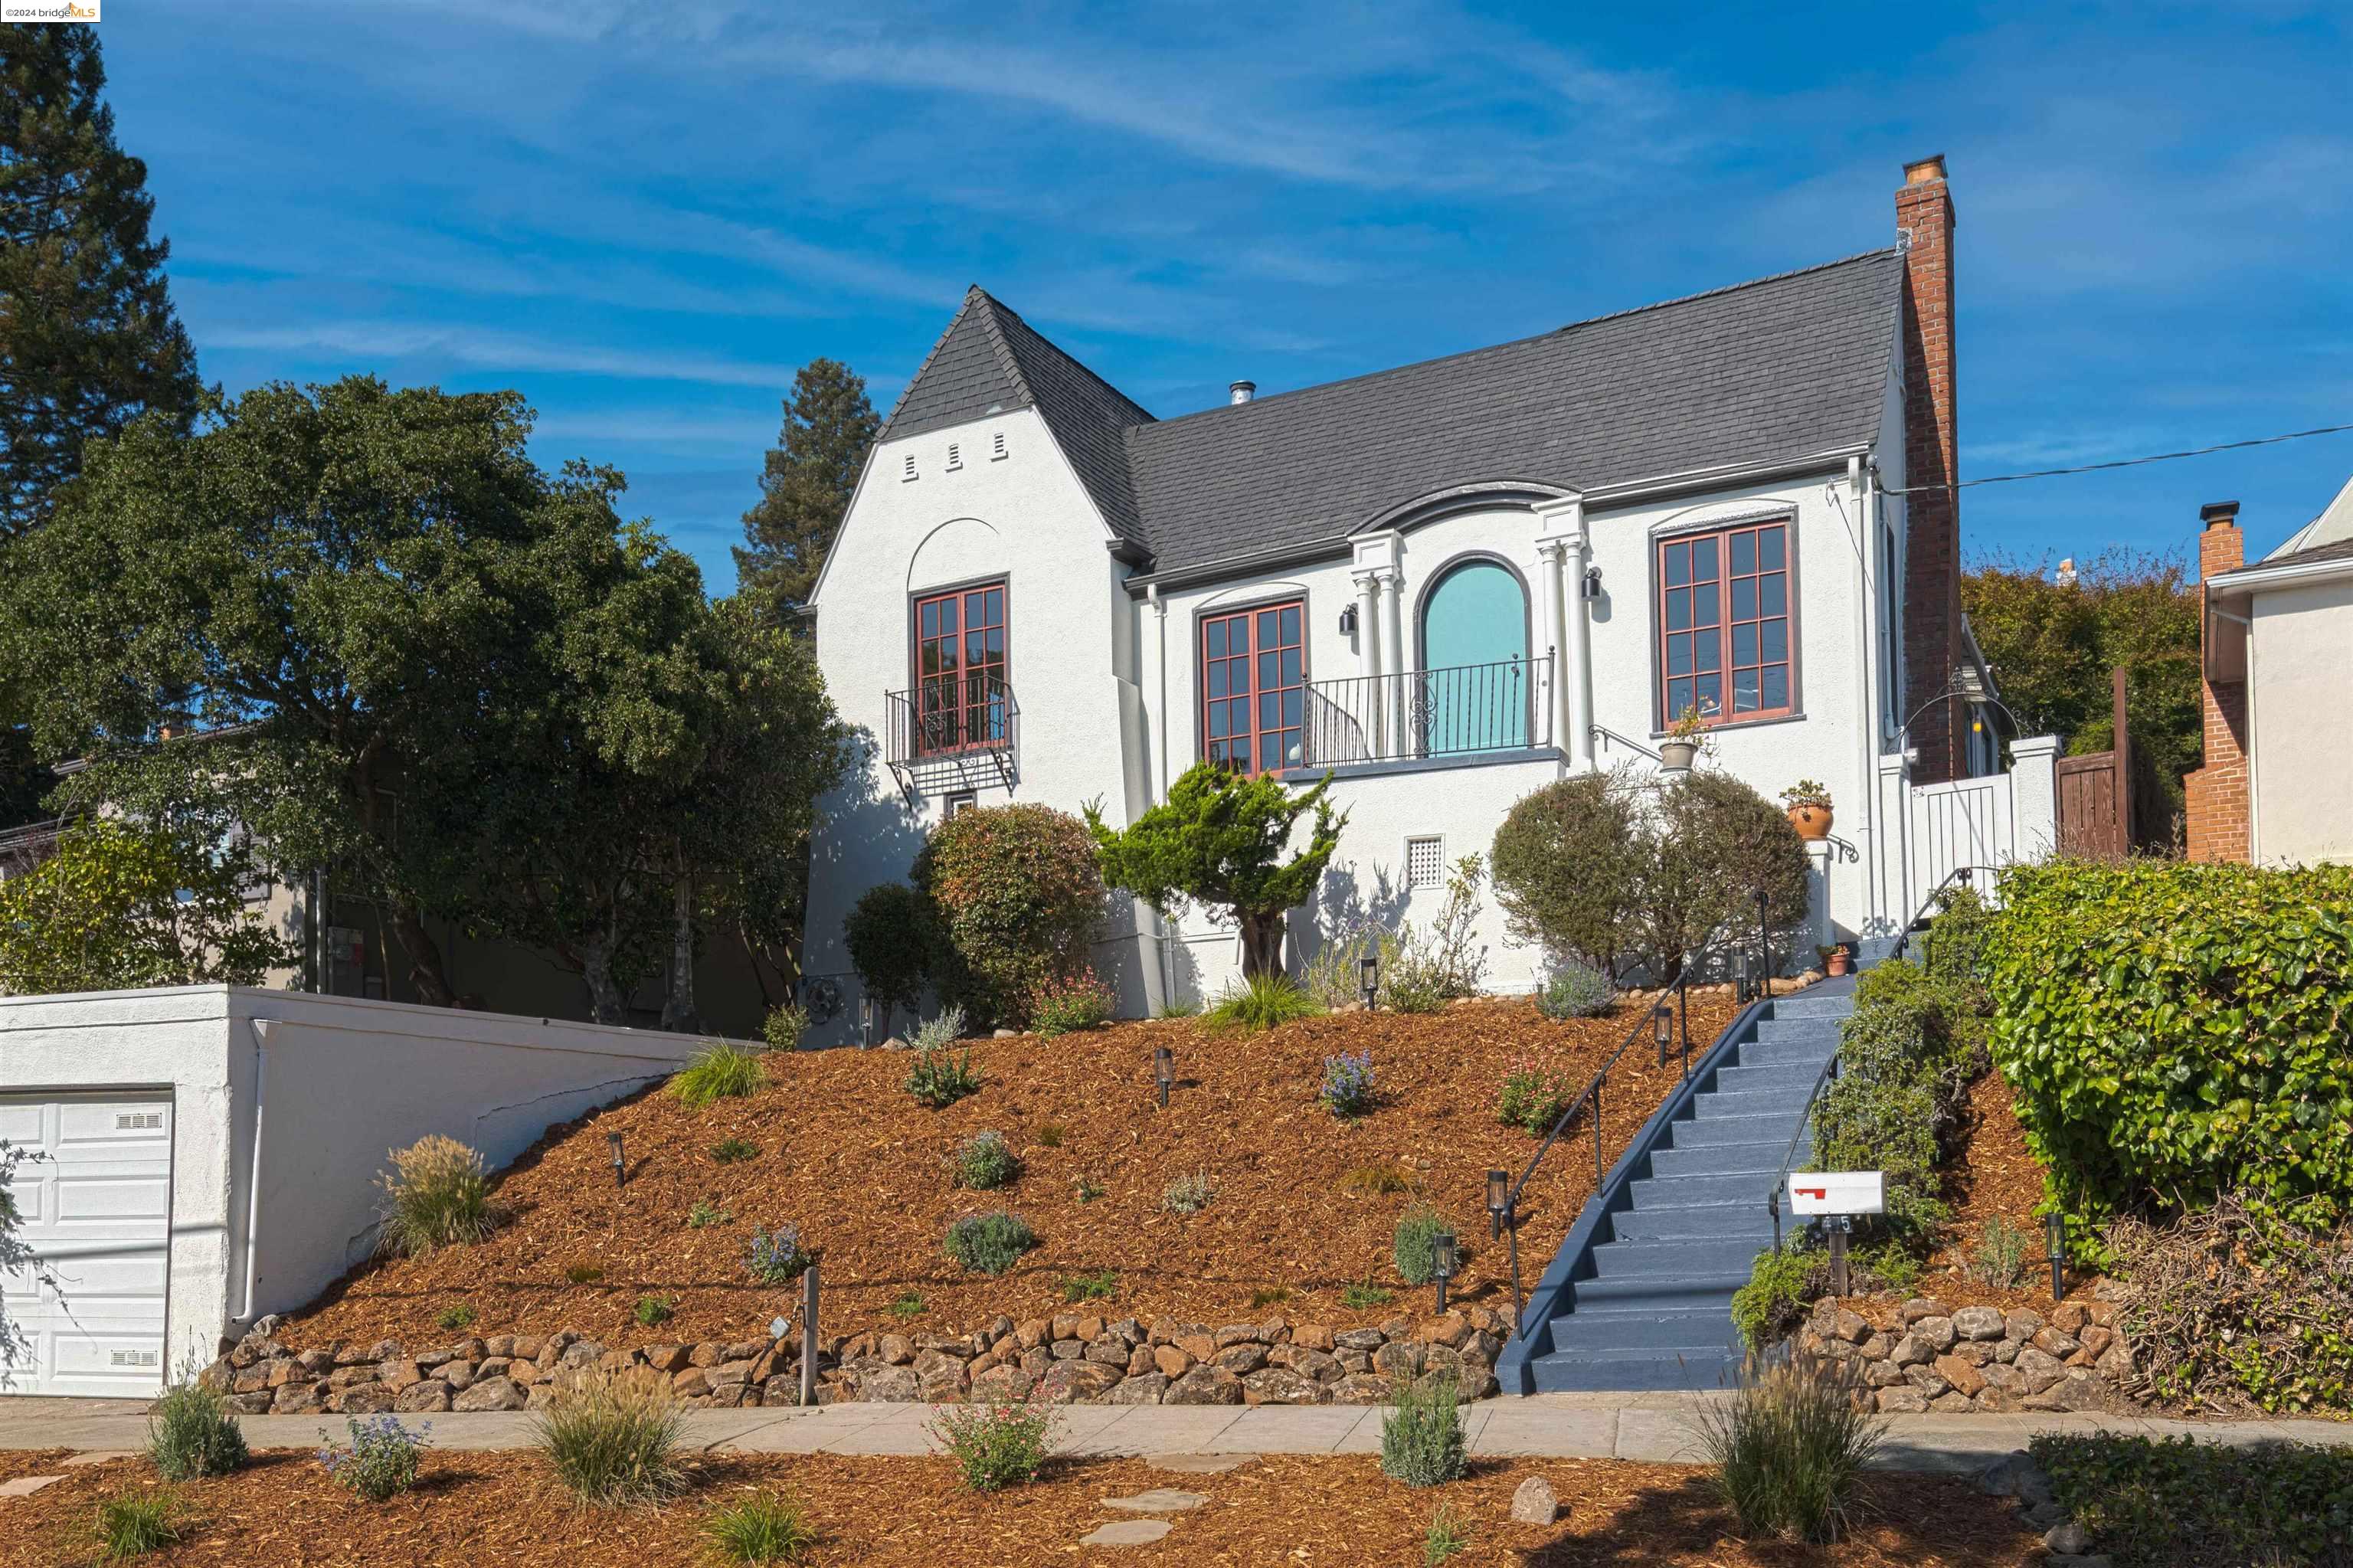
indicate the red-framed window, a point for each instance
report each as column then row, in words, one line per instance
column 1254, row 688
column 1724, row 625
column 960, row 664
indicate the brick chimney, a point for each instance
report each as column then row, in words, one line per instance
column 1932, row 566
column 2215, row 800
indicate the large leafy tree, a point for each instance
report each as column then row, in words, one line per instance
column 1223, row 840
column 804, row 488
column 330, row 581
column 2051, row 644
column 88, row 337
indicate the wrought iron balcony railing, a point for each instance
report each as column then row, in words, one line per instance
column 966, row 727
column 1429, row 713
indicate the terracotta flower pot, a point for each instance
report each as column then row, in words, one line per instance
column 1839, row 963
column 1812, row 822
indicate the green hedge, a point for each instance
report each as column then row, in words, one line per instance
column 2175, row 1031
column 2183, row 1503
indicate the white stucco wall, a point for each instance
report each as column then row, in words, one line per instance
column 2299, row 681
column 345, row 1081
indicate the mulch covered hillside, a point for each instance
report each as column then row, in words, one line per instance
column 844, row 1152
column 498, row 1510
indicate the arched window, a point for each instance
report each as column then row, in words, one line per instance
column 1472, row 692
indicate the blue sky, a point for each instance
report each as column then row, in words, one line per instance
column 644, row 217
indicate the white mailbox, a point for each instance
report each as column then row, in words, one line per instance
column 1838, row 1193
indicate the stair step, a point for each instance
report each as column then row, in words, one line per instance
column 1784, row 1103
column 1752, row 1222
column 1727, row 1256
column 1698, row 1132
column 1779, row 1030
column 1768, row 1077
column 1766, row 1052
column 1570, row 1372
column 1760, row 1160
column 1788, row 1007
column 1703, row 1329
column 1702, row 1190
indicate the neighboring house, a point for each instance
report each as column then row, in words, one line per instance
column 1447, row 584
column 2278, row 693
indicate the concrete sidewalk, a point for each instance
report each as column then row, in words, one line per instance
column 1659, row 1428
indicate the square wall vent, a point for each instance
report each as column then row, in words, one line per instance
column 1425, row 860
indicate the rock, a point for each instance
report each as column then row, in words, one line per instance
column 1236, row 1334
column 1003, row 1384
column 2021, row 1324
column 2115, row 1362
column 892, row 1386
column 1067, row 1350
column 1399, row 1358
column 1358, row 1388
column 1977, row 1323
column 1927, row 1379
column 1089, row 1328
column 302, row 1398
column 1535, row 1502
column 709, row 1353
column 1999, row 1401
column 468, row 1349
column 1242, row 1360
column 1311, row 1337
column 259, row 1402
column 1307, row 1362
column 1201, row 1346
column 1069, row 1383
column 2052, row 1343
column 2078, row 1390
column 1109, row 1350
column 2038, row 1368
column 255, row 1378
column 492, row 1394
column 1452, row 1330
column 2009, row 1379
column 1911, row 1351
column 1035, row 1363
column 2042, row 1515
column 1281, row 1385
column 2067, row 1538
column 1921, row 1306
column 584, row 1353
column 491, row 1366
column 430, row 1396
column 2094, row 1341
column 1875, row 1347
column 2069, row 1317
column 1965, row 1379
column 1205, row 1384
column 1851, row 1327
column 540, row 1396
column 1142, row 1388
column 360, row 1399
column 1033, row 1332
column 1952, row 1402
column 1172, row 1361
column 458, row 1375
column 1353, row 1360
column 1139, row 1361
column 896, row 1350
column 1882, row 1373
column 1127, row 1532
column 1937, row 1333
column 1978, row 1352
column 319, row 1364
column 527, row 1347
column 1902, row 1401
column 999, row 1328
column 1159, row 1499
column 1359, row 1338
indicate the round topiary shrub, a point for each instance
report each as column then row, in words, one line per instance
column 1715, row 845
column 1568, row 863
column 1019, row 899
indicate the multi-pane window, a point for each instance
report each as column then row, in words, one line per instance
column 1253, row 688
column 1724, row 624
column 960, row 691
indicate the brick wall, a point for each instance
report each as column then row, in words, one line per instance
column 2215, row 800
column 1932, row 577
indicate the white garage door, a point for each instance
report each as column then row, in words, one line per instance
column 98, row 1212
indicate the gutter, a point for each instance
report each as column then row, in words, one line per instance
column 2255, row 578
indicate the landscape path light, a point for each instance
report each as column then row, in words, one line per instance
column 2054, row 1230
column 1441, row 1254
column 866, row 1020
column 1369, row 978
column 1163, row 1072
column 1498, row 1194
column 620, row 1164
column 1662, row 1029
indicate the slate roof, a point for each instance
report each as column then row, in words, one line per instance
column 2341, row 550
column 1783, row 366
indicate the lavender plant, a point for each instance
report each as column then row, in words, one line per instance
column 1347, row 1090
column 776, row 1257
column 382, row 1459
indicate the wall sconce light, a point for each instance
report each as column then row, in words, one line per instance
column 1369, row 978
column 1593, row 582
column 1348, row 621
column 1442, row 1261
column 2054, row 1228
column 1164, row 1071
column 1499, row 1198
column 620, row 1164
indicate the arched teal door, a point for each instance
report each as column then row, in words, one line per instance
column 1472, row 692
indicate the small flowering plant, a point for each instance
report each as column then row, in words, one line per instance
column 778, row 1256
column 382, row 1459
column 1069, row 1003
column 1535, row 1092
column 1347, row 1088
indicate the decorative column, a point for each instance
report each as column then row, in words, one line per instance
column 1369, row 616
column 1393, row 654
column 1561, row 541
column 1548, row 628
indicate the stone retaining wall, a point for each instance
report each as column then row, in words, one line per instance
column 1925, row 1356
column 1066, row 1359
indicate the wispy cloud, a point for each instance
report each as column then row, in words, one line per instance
column 371, row 342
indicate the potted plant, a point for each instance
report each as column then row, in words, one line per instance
column 1809, row 805
column 1685, row 739
column 1838, row 961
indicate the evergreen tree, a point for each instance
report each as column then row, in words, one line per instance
column 828, row 428
column 87, row 338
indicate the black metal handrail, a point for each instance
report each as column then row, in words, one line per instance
column 1829, row 1069
column 1448, row 712
column 1505, row 1217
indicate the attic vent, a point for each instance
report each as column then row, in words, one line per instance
column 910, row 472
column 997, row 447
column 1425, row 860
column 955, row 455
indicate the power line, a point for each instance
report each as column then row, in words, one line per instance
column 2119, row 462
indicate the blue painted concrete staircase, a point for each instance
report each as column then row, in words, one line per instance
column 1641, row 1294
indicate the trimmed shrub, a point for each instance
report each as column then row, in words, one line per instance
column 1347, row 1091
column 382, row 1460
column 2176, row 1031
column 192, row 1435
column 1569, row 864
column 894, row 936
column 1789, row 1447
column 1260, row 1003
column 1535, row 1094
column 2177, row 1502
column 996, row 1445
column 1414, row 1243
column 761, row 1527
column 985, row 1160
column 721, row 1070
column 778, row 1256
column 614, row 1443
column 1907, row 1056
column 1075, row 1001
column 436, row 1194
column 134, row 1526
column 1715, row 845
column 1575, row 990
column 1018, row 896
column 989, row 1243
column 784, row 1027
column 1421, row 1438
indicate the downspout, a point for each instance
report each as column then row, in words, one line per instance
column 1156, row 775
column 1866, row 500
column 260, row 1028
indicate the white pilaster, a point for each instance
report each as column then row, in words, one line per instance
column 1561, row 524
column 1368, row 620
column 1550, row 633
column 1400, row 737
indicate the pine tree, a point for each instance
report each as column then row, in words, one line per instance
column 828, row 428
column 88, row 337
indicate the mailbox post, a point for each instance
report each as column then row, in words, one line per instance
column 1837, row 1196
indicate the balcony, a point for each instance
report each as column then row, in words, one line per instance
column 1424, row 715
column 953, row 733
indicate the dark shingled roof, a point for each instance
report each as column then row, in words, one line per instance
column 2338, row 550
column 1777, row 368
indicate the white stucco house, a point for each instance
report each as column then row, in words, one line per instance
column 2277, row 692
column 1446, row 585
